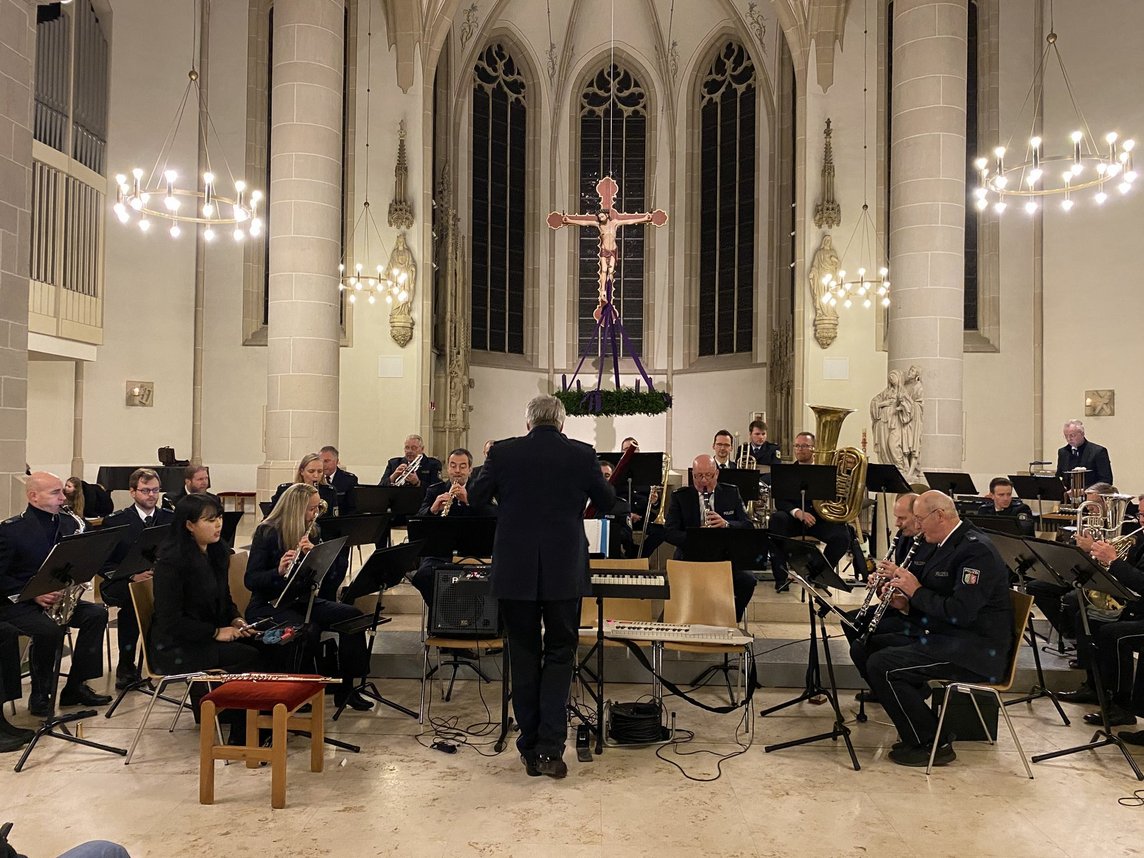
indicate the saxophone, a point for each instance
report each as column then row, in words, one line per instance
column 61, row 611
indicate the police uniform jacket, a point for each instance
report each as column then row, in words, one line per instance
column 1091, row 456
column 129, row 519
column 542, row 482
column 962, row 609
column 683, row 511
column 428, row 472
column 766, row 453
column 918, row 559
column 344, row 483
column 1130, row 573
column 459, row 507
column 25, row 542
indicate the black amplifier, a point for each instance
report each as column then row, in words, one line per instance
column 462, row 603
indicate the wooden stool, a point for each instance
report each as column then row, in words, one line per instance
column 283, row 698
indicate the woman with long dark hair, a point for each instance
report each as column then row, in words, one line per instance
column 286, row 534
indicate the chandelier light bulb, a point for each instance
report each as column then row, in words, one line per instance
column 208, row 178
column 402, row 277
column 1035, row 142
column 402, row 296
column 120, row 179
column 981, row 164
column 175, row 231
column 136, row 203
column 1100, row 197
column 1000, row 206
column 239, row 235
column 144, row 225
column 389, row 299
column 1066, row 204
column 999, row 152
column 372, row 299
column 240, row 214
column 170, row 176
column 1110, row 137
column 357, row 268
column 137, row 173
column 1034, row 176
column 1130, row 176
column 1124, row 187
column 886, row 301
column 256, row 227
column 1001, row 181
column 846, row 304
column 1031, row 207
column 982, row 204
column 1076, row 137
column 208, row 209
column 866, row 304
column 208, row 234
column 883, row 271
column 240, row 186
column 171, row 203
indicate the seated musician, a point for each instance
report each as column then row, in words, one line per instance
column 644, row 510
column 721, row 450
column 620, row 541
column 25, row 542
column 88, row 500
column 1000, row 501
column 437, row 498
column 343, row 482
column 1115, row 639
column 910, row 551
column 724, row 508
column 196, row 625
column 960, row 627
column 789, row 520
column 288, row 532
column 12, row 738
column 764, row 452
column 144, row 512
column 397, row 469
column 311, row 472
column 485, row 452
column 196, row 480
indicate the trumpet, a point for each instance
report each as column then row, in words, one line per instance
column 888, row 596
column 410, row 468
column 876, row 580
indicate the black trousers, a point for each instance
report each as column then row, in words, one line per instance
column 9, row 663
column 117, row 594
column 1115, row 642
column 353, row 653
column 891, row 631
column 48, row 638
column 744, row 586
column 1054, row 602
column 898, row 675
column 425, row 578
column 541, row 667
column 836, row 537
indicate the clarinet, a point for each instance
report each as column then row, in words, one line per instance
column 888, row 596
column 876, row 580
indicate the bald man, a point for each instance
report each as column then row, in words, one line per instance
column 25, row 542
column 960, row 626
column 724, row 508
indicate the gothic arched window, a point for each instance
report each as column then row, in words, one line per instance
column 727, row 203
column 500, row 111
column 613, row 141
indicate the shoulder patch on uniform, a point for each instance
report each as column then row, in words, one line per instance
column 971, row 536
column 12, row 520
column 971, row 576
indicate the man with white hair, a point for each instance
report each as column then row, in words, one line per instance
column 25, row 542
column 960, row 627
column 1079, row 452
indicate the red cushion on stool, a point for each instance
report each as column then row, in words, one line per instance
column 254, row 694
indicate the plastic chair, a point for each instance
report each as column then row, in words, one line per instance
column 1022, row 606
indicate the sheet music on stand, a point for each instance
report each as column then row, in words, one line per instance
column 597, row 530
column 310, row 572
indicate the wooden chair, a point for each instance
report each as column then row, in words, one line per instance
column 283, row 698
column 1022, row 606
column 143, row 598
column 702, row 594
column 237, row 575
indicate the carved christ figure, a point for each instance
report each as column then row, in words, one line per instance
column 607, row 220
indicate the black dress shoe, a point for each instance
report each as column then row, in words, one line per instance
column 41, row 706
column 124, row 679
column 1084, row 694
column 12, row 731
column 1132, row 737
column 530, row 766
column 1117, row 717
column 82, row 694
column 866, row 695
column 917, row 756
column 354, row 700
column 11, row 743
column 782, row 587
column 554, row 767
column 1074, row 664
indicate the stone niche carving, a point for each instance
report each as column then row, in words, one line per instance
column 824, row 265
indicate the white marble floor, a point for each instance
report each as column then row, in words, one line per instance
column 398, row 797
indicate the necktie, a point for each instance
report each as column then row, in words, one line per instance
column 148, row 521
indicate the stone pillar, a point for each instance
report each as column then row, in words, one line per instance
column 304, row 233
column 17, row 64
column 927, row 214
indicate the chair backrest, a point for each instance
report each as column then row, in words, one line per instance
column 618, row 609
column 700, row 593
column 236, row 573
column 143, row 598
column 1022, row 604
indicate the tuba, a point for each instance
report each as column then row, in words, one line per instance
column 850, row 486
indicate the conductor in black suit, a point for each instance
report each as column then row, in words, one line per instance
column 724, row 509
column 541, row 483
column 145, row 488
column 1079, row 452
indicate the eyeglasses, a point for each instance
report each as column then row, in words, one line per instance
column 154, row 491
column 920, row 518
column 804, row 446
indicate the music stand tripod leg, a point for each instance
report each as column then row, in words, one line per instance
column 813, row 685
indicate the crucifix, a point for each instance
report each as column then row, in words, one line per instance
column 607, row 220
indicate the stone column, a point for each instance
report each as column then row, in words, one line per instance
column 927, row 213
column 304, row 234
column 17, row 64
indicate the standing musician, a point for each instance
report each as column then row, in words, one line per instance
column 144, row 512
column 1079, row 452
column 961, row 627
column 437, row 499
column 540, row 569
column 764, row 452
column 311, row 472
column 706, row 503
column 721, row 448
column 280, row 542
column 789, row 519
column 342, row 480
column 196, row 625
column 25, row 542
column 428, row 470
column 196, row 480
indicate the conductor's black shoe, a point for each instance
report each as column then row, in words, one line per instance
column 82, row 694
column 530, row 766
column 1118, row 716
column 1132, row 737
column 554, row 767
column 41, row 706
column 11, row 743
column 866, row 695
column 917, row 756
column 1084, row 694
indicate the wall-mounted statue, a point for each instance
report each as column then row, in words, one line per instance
column 897, row 417
column 824, row 265
column 400, row 315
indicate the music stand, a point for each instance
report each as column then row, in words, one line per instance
column 397, row 500
column 449, row 536
column 140, row 555
column 385, row 568
column 368, row 528
column 811, row 571
column 743, row 546
column 746, row 480
column 951, row 482
column 308, row 575
column 1008, row 525
column 1073, row 567
column 74, row 559
column 886, row 479
column 1041, row 487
